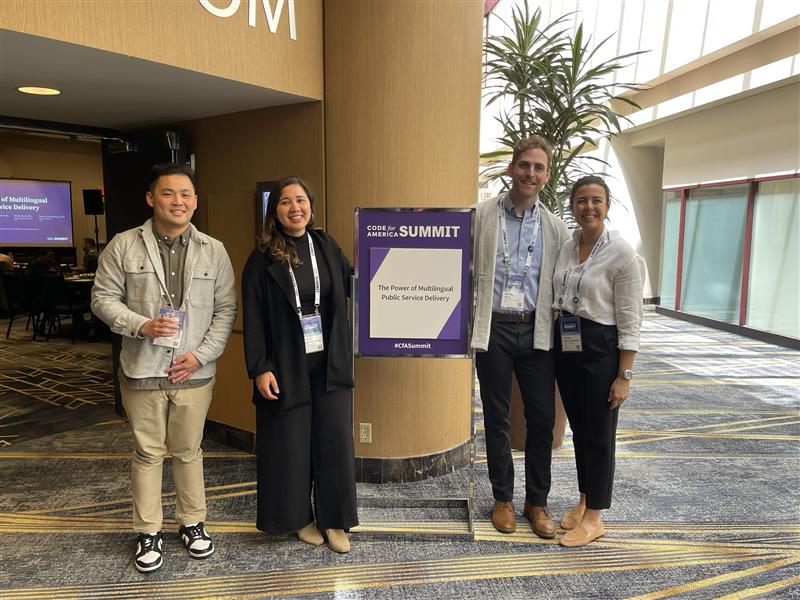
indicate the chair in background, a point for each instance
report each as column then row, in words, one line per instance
column 20, row 302
column 62, row 300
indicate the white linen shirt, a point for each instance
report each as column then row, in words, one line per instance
column 611, row 289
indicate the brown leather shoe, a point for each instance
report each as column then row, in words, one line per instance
column 541, row 523
column 503, row 517
column 582, row 535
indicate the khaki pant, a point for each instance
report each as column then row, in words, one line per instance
column 167, row 421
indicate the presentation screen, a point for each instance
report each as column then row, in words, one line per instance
column 35, row 213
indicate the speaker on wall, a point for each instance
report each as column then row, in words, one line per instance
column 93, row 202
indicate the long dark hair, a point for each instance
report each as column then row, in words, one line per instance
column 274, row 240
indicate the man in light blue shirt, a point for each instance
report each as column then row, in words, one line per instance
column 517, row 241
column 520, row 236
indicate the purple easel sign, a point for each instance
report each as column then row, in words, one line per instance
column 413, row 281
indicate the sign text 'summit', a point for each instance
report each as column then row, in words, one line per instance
column 273, row 17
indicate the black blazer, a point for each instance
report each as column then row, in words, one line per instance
column 273, row 338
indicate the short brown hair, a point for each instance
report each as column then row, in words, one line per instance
column 530, row 143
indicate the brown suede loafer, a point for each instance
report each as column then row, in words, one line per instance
column 572, row 517
column 310, row 535
column 582, row 535
column 541, row 523
column 503, row 517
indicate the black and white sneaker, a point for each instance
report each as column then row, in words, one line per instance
column 196, row 540
column 149, row 551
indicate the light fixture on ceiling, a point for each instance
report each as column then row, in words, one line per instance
column 39, row 91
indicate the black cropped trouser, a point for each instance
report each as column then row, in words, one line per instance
column 584, row 380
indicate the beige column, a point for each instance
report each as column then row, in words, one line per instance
column 402, row 110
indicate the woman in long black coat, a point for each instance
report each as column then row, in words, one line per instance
column 298, row 351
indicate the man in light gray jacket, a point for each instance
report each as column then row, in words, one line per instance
column 168, row 289
column 517, row 241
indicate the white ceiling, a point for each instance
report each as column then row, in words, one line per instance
column 113, row 91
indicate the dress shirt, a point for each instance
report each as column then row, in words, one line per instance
column 173, row 260
column 520, row 234
column 611, row 288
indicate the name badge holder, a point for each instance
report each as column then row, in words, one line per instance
column 177, row 315
column 569, row 325
column 513, row 292
column 513, row 296
column 310, row 324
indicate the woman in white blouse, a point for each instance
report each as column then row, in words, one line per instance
column 598, row 300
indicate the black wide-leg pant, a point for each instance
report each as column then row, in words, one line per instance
column 584, row 380
column 510, row 351
column 307, row 450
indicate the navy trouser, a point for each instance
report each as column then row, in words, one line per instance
column 510, row 351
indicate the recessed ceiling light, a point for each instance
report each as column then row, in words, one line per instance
column 39, row 91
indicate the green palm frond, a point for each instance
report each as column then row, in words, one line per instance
column 553, row 88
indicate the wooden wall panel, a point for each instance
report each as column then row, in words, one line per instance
column 182, row 33
column 232, row 391
column 402, row 114
column 417, row 406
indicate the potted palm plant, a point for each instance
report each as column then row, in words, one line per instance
column 549, row 84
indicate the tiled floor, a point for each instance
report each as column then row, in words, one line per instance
column 707, row 495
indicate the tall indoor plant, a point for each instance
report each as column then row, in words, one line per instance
column 549, row 87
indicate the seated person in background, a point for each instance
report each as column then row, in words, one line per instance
column 6, row 262
column 89, row 248
column 45, row 263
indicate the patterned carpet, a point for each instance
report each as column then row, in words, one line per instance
column 707, row 495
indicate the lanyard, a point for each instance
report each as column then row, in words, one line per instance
column 595, row 249
column 504, row 229
column 316, row 281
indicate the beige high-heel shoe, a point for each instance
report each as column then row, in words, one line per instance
column 310, row 534
column 338, row 540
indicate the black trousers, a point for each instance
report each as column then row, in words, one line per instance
column 584, row 379
column 511, row 351
column 305, row 451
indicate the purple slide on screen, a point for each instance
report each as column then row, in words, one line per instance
column 37, row 213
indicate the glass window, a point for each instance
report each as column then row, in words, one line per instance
column 711, row 279
column 773, row 289
column 669, row 249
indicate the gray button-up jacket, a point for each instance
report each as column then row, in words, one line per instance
column 129, row 288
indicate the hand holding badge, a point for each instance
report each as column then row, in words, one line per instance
column 177, row 315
